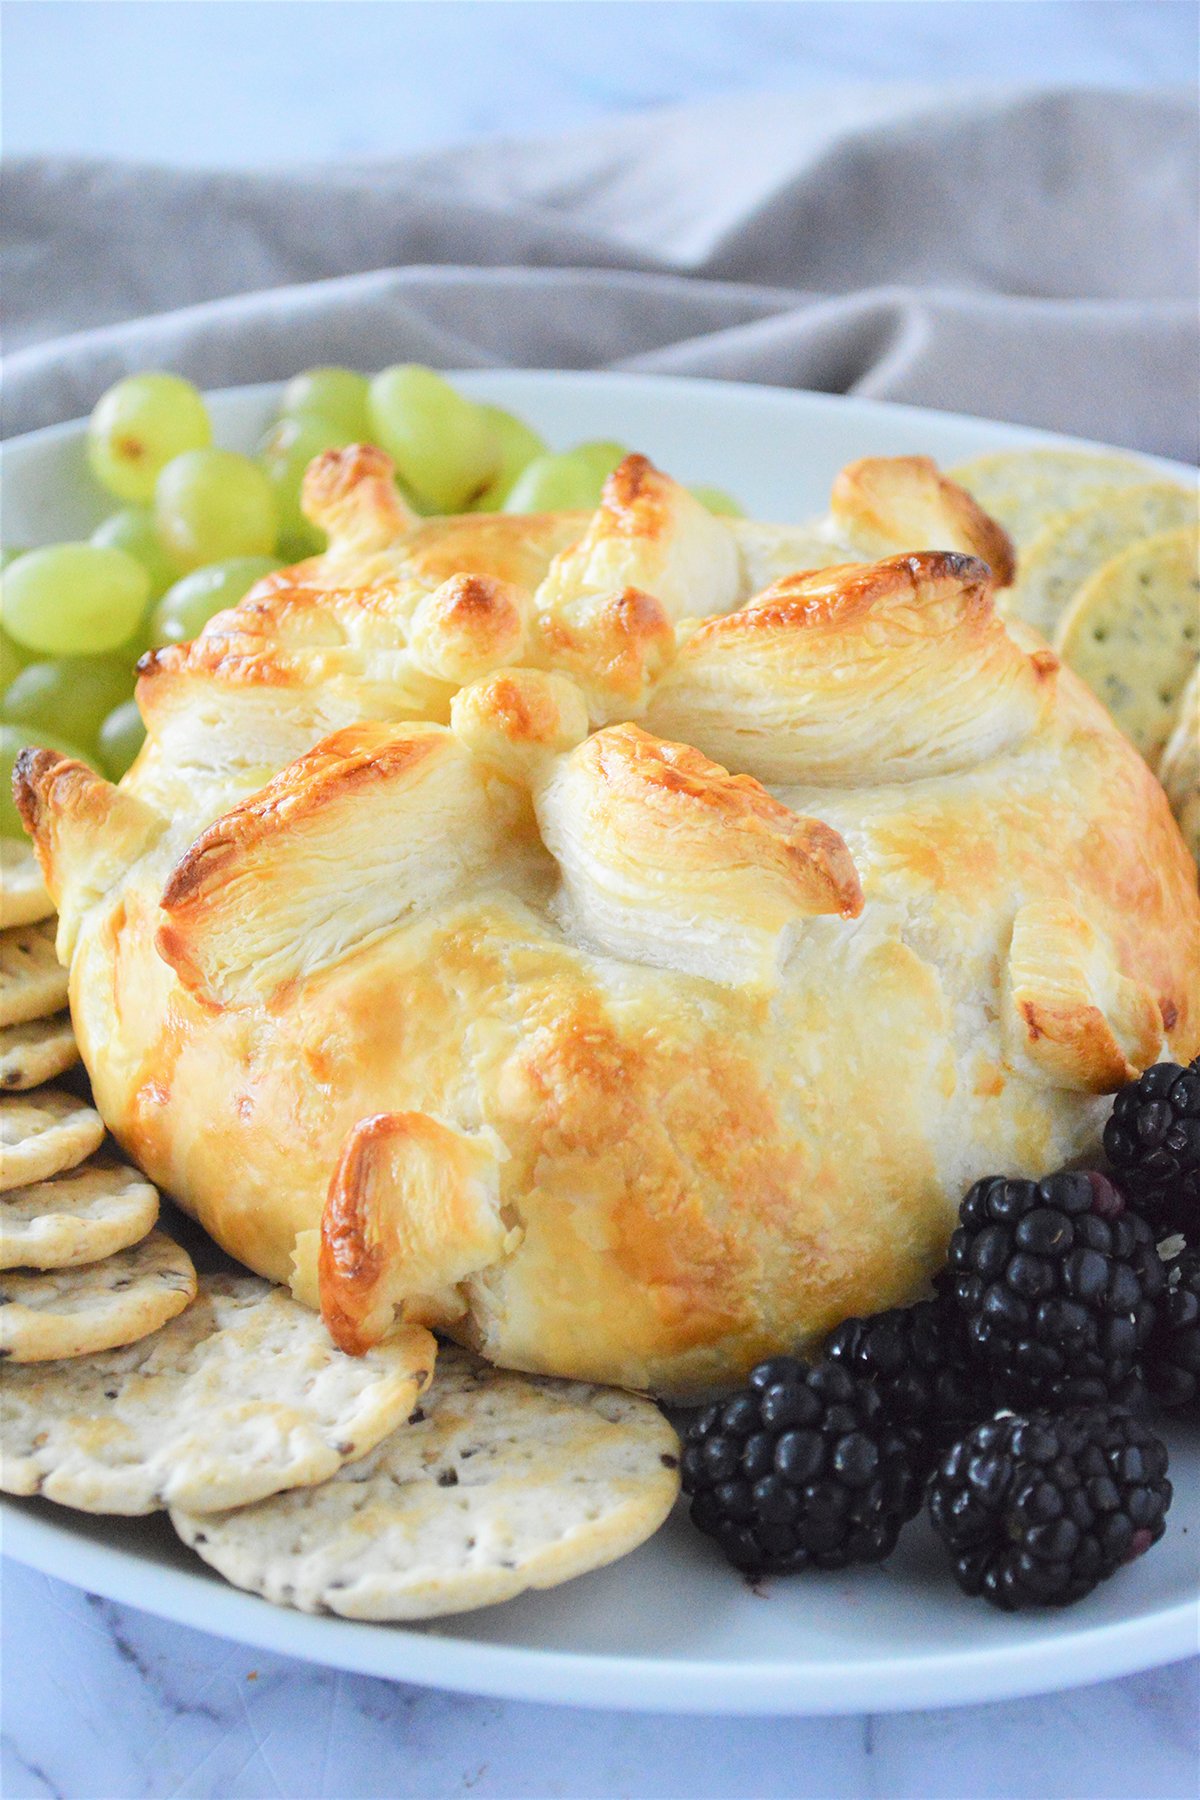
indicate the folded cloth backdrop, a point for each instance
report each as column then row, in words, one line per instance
column 1025, row 256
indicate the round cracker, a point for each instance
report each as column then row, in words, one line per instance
column 1072, row 547
column 1179, row 768
column 23, row 896
column 1025, row 489
column 36, row 1051
column 240, row 1396
column 499, row 1483
column 1133, row 634
column 43, row 1133
column 78, row 1217
column 32, row 982
column 74, row 1312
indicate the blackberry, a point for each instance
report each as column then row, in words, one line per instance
column 1057, row 1282
column 1152, row 1141
column 1037, row 1510
column 1173, row 1352
column 916, row 1359
column 800, row 1469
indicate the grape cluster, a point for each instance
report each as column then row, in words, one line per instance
column 200, row 525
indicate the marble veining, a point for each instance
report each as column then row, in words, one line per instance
column 101, row 1702
column 287, row 83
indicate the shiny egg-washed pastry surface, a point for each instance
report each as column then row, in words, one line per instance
column 616, row 940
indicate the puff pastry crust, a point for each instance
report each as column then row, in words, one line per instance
column 615, row 940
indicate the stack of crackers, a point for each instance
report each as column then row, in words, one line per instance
column 83, row 1268
column 1107, row 570
column 366, row 1486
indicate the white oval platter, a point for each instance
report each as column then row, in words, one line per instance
column 669, row 1628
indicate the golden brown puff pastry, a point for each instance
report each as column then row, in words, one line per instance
column 616, row 940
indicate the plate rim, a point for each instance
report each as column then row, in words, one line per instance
column 1065, row 1659
column 702, row 387
column 425, row 1657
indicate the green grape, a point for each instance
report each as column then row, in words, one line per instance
column 519, row 444
column 185, row 609
column 572, row 481
column 14, row 739
column 210, row 505
column 134, row 531
column 12, row 660
column 337, row 395
column 297, row 546
column 121, row 737
column 601, row 455
column 285, row 452
column 72, row 693
column 12, row 657
column 718, row 501
column 139, row 426
column 555, row 483
column 443, row 445
column 417, row 502
column 137, row 644
column 76, row 599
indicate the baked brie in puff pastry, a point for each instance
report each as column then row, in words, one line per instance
column 618, row 940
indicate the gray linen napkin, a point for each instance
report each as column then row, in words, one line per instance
column 1024, row 256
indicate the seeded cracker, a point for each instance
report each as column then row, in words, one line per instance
column 23, row 896
column 500, row 1483
column 32, row 983
column 36, row 1051
column 1179, row 769
column 1070, row 549
column 241, row 1395
column 1026, row 489
column 73, row 1312
column 79, row 1217
column 1133, row 634
column 43, row 1133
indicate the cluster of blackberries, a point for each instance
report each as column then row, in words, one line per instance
column 1152, row 1142
column 801, row 1468
column 1013, row 1398
column 1057, row 1284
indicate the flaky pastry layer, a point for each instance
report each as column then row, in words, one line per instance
column 616, row 940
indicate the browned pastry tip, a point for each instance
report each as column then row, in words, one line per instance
column 892, row 670
column 516, row 718
column 36, row 775
column 348, row 762
column 467, row 626
column 636, row 497
column 261, row 897
column 666, row 791
column 615, row 646
column 85, row 831
column 351, row 493
column 649, row 533
column 668, row 860
column 888, row 502
column 920, row 594
column 1070, row 1018
column 413, row 1210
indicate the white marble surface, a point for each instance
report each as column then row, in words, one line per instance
column 103, row 1701
column 100, row 1700
column 282, row 83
